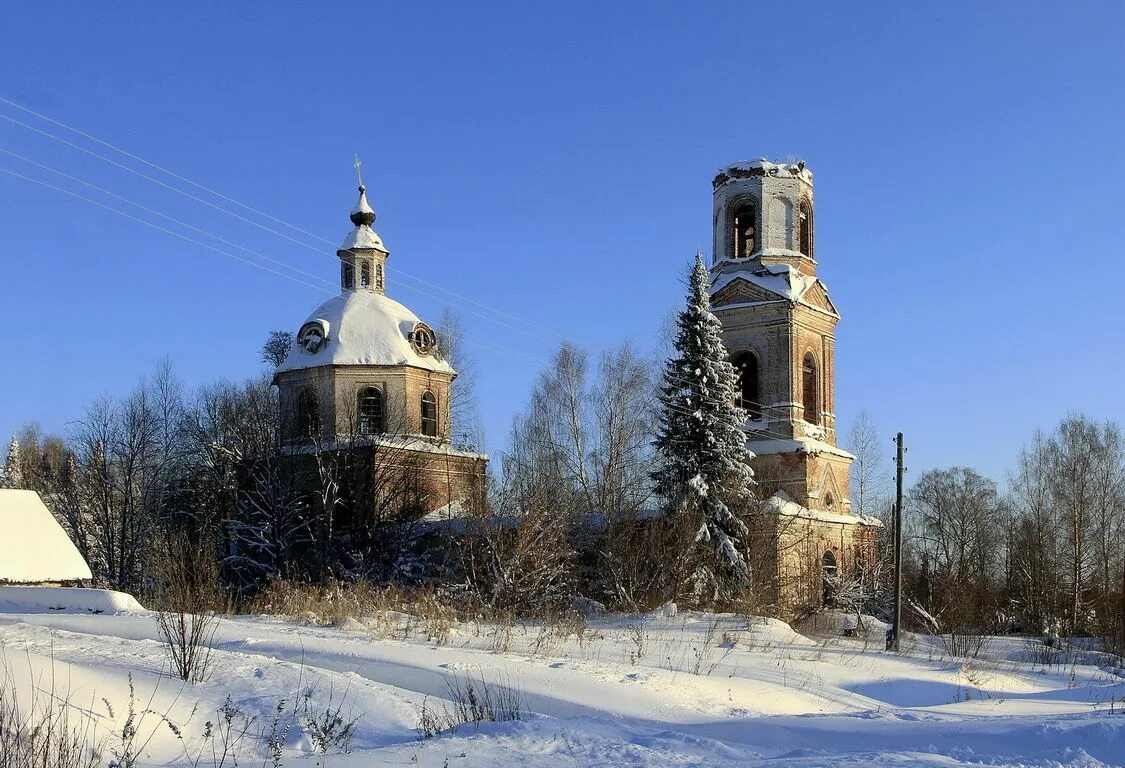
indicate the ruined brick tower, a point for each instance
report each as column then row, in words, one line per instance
column 779, row 328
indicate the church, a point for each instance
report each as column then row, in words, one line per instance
column 366, row 378
column 779, row 330
column 365, row 396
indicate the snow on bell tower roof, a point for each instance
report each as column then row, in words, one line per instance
column 761, row 167
column 363, row 237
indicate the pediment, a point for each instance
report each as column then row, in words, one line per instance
column 817, row 296
column 828, row 485
column 739, row 291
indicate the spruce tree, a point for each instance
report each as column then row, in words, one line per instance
column 703, row 465
column 10, row 475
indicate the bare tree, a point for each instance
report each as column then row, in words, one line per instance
column 276, row 348
column 870, row 476
column 624, row 420
column 955, row 512
column 1036, row 562
column 1074, row 455
column 465, row 425
column 127, row 456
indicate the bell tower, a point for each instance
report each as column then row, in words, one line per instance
column 779, row 327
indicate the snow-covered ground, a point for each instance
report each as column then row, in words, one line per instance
column 694, row 690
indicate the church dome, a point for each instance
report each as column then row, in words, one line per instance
column 363, row 328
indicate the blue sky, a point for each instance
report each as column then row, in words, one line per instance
column 554, row 161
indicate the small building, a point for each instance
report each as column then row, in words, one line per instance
column 34, row 549
column 367, row 380
column 779, row 329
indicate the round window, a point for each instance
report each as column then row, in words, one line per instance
column 422, row 339
column 313, row 336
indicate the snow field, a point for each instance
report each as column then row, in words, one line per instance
column 694, row 689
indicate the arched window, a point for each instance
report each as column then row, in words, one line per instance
column 308, row 413
column 365, row 274
column 828, row 576
column 347, row 276
column 804, row 228
column 745, row 233
column 379, row 277
column 370, row 410
column 809, row 389
column 429, row 414
column 749, row 396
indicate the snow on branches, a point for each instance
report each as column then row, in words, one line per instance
column 703, row 465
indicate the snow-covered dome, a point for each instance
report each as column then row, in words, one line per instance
column 362, row 236
column 363, row 328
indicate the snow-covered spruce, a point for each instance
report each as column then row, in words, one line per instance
column 703, row 465
column 10, row 470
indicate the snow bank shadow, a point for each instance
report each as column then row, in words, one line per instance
column 906, row 692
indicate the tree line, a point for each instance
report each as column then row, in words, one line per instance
column 1042, row 553
column 163, row 479
column 624, row 480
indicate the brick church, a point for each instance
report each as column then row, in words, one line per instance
column 779, row 329
column 366, row 379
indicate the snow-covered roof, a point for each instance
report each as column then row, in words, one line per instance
column 363, row 328
column 415, row 443
column 783, row 505
column 794, row 445
column 363, row 236
column 33, row 546
column 785, row 280
column 763, row 167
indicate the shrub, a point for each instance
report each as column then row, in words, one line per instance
column 964, row 646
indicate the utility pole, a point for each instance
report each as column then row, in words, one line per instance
column 900, row 470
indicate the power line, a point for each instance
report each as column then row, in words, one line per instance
column 165, row 216
column 208, row 246
column 128, row 154
column 239, row 217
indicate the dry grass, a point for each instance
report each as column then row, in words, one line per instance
column 389, row 611
column 471, row 701
column 43, row 734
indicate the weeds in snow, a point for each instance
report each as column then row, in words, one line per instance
column 639, row 639
column 963, row 646
column 471, row 701
column 43, row 734
column 328, row 727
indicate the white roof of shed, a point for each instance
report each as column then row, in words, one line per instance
column 33, row 546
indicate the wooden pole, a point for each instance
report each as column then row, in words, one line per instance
column 896, row 626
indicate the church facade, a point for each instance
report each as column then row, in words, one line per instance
column 367, row 380
column 779, row 329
